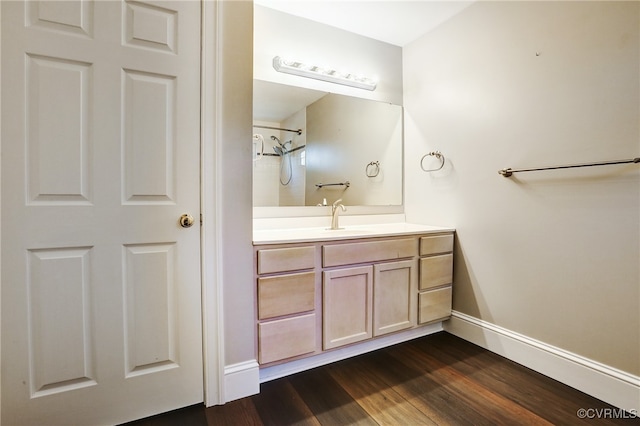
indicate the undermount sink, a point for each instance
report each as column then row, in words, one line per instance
column 346, row 231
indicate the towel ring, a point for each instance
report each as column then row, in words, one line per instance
column 436, row 154
column 372, row 169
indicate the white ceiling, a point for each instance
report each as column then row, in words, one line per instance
column 396, row 22
column 274, row 102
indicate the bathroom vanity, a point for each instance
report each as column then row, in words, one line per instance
column 318, row 290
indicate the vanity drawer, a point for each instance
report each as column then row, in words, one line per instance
column 436, row 271
column 286, row 338
column 434, row 305
column 286, row 294
column 286, row 259
column 370, row 251
column 436, row 244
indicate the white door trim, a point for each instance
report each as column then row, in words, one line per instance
column 0, row 226
column 212, row 312
column 227, row 282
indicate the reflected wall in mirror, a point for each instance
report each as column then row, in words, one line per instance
column 343, row 140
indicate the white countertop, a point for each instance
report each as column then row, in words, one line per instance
column 294, row 235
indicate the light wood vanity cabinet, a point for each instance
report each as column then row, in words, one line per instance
column 323, row 295
column 286, row 302
column 368, row 301
column 436, row 278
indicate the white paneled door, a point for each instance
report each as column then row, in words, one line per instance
column 101, row 301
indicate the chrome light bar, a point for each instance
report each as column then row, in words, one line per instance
column 324, row 74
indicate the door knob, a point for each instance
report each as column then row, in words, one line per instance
column 186, row 220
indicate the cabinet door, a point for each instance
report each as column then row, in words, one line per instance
column 395, row 290
column 347, row 307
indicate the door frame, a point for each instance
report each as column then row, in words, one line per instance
column 212, row 313
column 0, row 220
column 230, row 367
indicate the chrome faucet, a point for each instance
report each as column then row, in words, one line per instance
column 334, row 213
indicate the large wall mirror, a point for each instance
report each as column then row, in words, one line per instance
column 347, row 147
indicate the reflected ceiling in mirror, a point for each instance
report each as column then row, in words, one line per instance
column 348, row 148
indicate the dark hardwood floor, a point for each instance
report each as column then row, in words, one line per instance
column 434, row 380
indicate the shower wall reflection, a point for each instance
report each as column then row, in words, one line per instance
column 279, row 180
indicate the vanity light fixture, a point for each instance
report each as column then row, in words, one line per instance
column 324, row 74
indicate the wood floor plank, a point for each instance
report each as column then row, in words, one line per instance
column 504, row 379
column 492, row 406
column 279, row 404
column 437, row 379
column 435, row 401
column 328, row 401
column 522, row 385
column 234, row 413
column 382, row 403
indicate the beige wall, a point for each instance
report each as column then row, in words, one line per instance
column 552, row 255
column 233, row 172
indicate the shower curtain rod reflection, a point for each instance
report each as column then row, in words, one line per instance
column 298, row 131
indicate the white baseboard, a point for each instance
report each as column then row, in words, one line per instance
column 241, row 380
column 601, row 381
column 282, row 370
